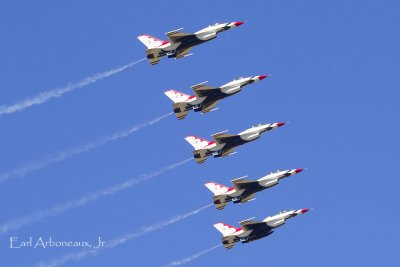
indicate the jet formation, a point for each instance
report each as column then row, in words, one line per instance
column 204, row 100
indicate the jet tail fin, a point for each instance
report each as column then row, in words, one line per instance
column 217, row 189
column 196, row 142
column 225, row 229
column 150, row 41
column 176, row 96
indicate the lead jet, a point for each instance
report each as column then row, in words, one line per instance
column 205, row 98
column 225, row 144
column 244, row 190
column 180, row 43
column 251, row 230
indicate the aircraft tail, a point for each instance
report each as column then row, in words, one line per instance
column 226, row 229
column 220, row 201
column 217, row 189
column 150, row 41
column 196, row 142
column 228, row 241
column 176, row 96
column 181, row 109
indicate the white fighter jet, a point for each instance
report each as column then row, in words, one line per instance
column 225, row 144
column 205, row 98
column 253, row 230
column 180, row 43
column 244, row 190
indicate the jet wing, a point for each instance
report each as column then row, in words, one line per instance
column 202, row 90
column 227, row 152
column 241, row 183
column 247, row 198
column 207, row 106
column 255, row 226
column 246, row 187
column 183, row 52
column 225, row 138
column 178, row 37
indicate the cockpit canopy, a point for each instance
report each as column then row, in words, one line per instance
column 257, row 125
column 283, row 211
column 215, row 24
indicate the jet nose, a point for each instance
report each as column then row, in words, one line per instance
column 298, row 170
column 262, row 77
column 279, row 124
column 304, row 210
column 238, row 23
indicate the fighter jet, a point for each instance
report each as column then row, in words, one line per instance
column 205, row 98
column 244, row 190
column 180, row 43
column 253, row 230
column 225, row 144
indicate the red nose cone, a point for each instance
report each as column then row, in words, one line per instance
column 281, row 124
column 238, row 23
column 298, row 170
column 262, row 77
column 304, row 210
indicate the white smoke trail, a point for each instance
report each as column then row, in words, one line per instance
column 121, row 240
column 191, row 258
column 58, row 92
column 82, row 201
column 60, row 156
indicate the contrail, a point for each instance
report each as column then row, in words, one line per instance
column 191, row 258
column 21, row 171
column 121, row 240
column 82, row 201
column 58, row 92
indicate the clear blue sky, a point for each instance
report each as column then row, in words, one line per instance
column 334, row 67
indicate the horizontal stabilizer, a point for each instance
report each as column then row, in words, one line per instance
column 181, row 109
column 220, row 202
column 200, row 156
column 228, row 241
column 153, row 55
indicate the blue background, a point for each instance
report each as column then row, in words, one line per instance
column 334, row 67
